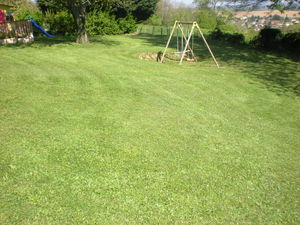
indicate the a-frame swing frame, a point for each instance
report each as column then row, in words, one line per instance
column 178, row 25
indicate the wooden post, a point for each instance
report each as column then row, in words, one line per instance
column 185, row 48
column 207, row 45
column 170, row 37
column 186, row 41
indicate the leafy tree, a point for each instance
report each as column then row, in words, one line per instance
column 208, row 19
column 208, row 4
column 276, row 17
column 78, row 10
column 20, row 3
column 154, row 20
column 24, row 8
column 169, row 11
column 141, row 9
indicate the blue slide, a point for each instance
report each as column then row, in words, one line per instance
column 41, row 29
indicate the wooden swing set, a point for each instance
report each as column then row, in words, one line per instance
column 184, row 47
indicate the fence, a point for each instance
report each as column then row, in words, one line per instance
column 154, row 30
column 18, row 31
column 165, row 30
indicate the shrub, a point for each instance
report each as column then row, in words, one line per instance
column 127, row 24
column 235, row 38
column 23, row 13
column 101, row 23
column 60, row 23
column 217, row 34
column 228, row 28
column 268, row 38
column 271, row 39
column 291, row 41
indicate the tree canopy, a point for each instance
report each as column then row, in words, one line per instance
column 140, row 9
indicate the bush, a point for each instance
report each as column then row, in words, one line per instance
column 101, row 23
column 127, row 24
column 235, row 38
column 271, row 39
column 291, row 41
column 23, row 13
column 217, row 34
column 268, row 38
column 227, row 28
column 60, row 23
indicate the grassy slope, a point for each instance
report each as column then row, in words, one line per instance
column 92, row 134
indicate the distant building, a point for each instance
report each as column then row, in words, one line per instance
column 260, row 19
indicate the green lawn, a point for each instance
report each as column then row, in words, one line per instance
column 93, row 135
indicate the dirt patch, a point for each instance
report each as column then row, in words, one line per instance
column 168, row 56
column 148, row 56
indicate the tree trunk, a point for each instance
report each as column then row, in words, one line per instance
column 78, row 11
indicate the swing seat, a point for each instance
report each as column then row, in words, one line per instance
column 190, row 60
column 179, row 54
column 182, row 52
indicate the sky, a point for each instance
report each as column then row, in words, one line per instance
column 187, row 2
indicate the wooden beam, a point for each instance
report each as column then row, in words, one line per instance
column 207, row 44
column 170, row 37
column 186, row 46
column 186, row 41
column 182, row 22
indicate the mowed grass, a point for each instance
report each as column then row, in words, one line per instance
column 93, row 135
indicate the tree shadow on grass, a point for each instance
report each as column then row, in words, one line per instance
column 277, row 73
column 41, row 41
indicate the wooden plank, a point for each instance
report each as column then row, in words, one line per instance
column 183, row 22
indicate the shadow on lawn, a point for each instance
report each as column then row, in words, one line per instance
column 278, row 73
column 41, row 41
